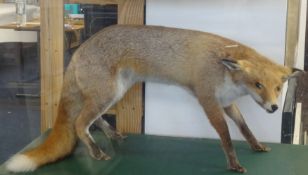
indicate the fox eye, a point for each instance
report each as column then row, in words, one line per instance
column 259, row 85
column 278, row 88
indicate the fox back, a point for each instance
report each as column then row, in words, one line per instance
column 177, row 56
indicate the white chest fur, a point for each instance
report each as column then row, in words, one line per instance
column 228, row 91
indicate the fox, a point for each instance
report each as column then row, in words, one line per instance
column 216, row 70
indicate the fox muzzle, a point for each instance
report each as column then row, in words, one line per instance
column 273, row 108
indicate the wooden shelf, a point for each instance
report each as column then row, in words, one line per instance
column 34, row 25
column 30, row 26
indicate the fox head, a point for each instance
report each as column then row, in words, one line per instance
column 262, row 79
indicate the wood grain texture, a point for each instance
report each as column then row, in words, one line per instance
column 131, row 12
column 292, row 31
column 112, row 111
column 52, row 54
column 130, row 108
column 130, row 111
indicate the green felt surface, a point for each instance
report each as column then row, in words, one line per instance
column 156, row 155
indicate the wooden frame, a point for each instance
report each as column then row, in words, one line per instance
column 294, row 52
column 129, row 110
column 292, row 32
column 52, row 56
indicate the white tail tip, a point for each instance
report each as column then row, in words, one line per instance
column 20, row 163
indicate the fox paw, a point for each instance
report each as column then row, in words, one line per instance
column 237, row 168
column 261, row 148
column 98, row 154
column 119, row 136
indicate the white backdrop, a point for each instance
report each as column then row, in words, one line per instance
column 170, row 110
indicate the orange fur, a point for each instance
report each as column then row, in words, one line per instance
column 52, row 150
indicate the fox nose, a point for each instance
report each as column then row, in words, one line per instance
column 274, row 108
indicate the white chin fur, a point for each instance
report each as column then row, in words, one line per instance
column 20, row 163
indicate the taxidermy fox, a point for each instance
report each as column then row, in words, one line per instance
column 215, row 69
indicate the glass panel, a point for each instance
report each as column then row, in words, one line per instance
column 20, row 65
column 19, row 81
column 92, row 17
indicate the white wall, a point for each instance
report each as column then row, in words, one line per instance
column 261, row 24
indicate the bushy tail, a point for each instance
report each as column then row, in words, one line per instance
column 59, row 144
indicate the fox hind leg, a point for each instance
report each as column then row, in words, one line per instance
column 109, row 130
column 234, row 113
column 98, row 99
column 84, row 121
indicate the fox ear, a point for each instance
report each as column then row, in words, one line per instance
column 231, row 64
column 295, row 73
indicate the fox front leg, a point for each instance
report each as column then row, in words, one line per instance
column 216, row 118
column 234, row 113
